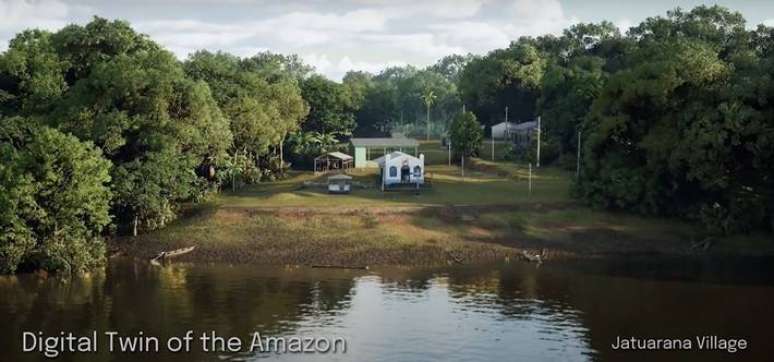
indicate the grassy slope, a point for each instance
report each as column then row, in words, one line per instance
column 486, row 215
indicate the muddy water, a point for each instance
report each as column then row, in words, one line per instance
column 511, row 312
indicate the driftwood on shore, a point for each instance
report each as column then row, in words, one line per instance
column 454, row 258
column 702, row 245
column 365, row 267
column 171, row 254
column 535, row 258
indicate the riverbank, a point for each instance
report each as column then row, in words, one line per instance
column 482, row 217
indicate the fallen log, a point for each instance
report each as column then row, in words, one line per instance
column 456, row 259
column 171, row 254
column 535, row 258
column 341, row 267
column 702, row 245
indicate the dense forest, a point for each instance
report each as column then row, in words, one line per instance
column 103, row 131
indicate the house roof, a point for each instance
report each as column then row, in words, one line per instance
column 339, row 155
column 524, row 126
column 384, row 142
column 503, row 124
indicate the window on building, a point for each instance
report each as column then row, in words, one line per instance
column 417, row 171
column 393, row 171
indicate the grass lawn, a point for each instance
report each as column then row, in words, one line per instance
column 449, row 187
column 435, row 154
column 487, row 215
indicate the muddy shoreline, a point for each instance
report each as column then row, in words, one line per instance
column 400, row 235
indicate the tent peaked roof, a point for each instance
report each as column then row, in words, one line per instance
column 393, row 155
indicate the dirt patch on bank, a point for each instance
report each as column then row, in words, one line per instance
column 401, row 235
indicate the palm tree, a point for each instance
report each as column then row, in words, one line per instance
column 429, row 98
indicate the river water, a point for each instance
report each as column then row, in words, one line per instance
column 509, row 312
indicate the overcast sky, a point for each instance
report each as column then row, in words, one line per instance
column 337, row 36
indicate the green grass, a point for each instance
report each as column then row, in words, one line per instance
column 487, row 215
column 435, row 154
column 449, row 187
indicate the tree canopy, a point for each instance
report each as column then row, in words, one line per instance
column 102, row 129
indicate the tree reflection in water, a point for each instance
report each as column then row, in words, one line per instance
column 483, row 313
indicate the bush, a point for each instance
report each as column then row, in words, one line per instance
column 56, row 200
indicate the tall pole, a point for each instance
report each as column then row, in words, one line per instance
column 538, row 143
column 577, row 166
column 427, row 125
column 463, row 108
column 507, row 125
column 530, row 179
column 492, row 144
column 449, row 152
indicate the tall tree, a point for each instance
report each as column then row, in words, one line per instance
column 331, row 110
column 55, row 200
column 428, row 97
column 133, row 100
column 505, row 77
column 466, row 135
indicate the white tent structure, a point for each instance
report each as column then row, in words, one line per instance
column 398, row 168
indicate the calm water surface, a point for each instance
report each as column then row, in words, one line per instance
column 511, row 312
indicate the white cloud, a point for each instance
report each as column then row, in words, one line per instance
column 536, row 17
column 474, row 37
column 334, row 37
column 45, row 14
column 17, row 15
column 296, row 30
column 624, row 25
column 443, row 9
column 337, row 70
column 768, row 22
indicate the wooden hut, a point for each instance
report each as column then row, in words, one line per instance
column 332, row 162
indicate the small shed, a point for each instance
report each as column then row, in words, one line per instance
column 520, row 133
column 339, row 184
column 502, row 129
column 365, row 147
column 523, row 133
column 332, row 162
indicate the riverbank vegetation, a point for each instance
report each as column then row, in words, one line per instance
column 674, row 117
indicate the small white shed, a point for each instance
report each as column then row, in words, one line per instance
column 401, row 168
column 339, row 184
column 500, row 130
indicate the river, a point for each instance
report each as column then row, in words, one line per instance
column 509, row 312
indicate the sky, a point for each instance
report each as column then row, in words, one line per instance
column 338, row 36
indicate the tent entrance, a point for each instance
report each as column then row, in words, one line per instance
column 405, row 174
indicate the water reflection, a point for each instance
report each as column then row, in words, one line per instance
column 486, row 313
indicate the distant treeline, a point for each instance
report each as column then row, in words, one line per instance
column 104, row 131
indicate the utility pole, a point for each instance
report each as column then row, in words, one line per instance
column 462, row 166
column 530, row 179
column 577, row 166
column 538, row 143
column 449, row 144
column 492, row 132
column 507, row 125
